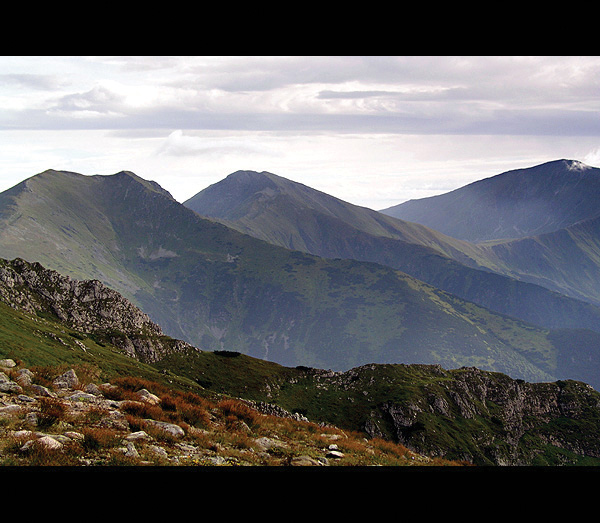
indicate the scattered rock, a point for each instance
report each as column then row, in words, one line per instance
column 304, row 461
column 148, row 397
column 68, row 380
column 92, row 388
column 183, row 447
column 139, row 435
column 76, row 436
column 24, row 377
column 266, row 444
column 82, row 396
column 42, row 391
column 169, row 428
column 10, row 409
column 131, row 451
column 46, row 441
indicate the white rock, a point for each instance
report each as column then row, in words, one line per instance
column 170, row 428
column 148, row 397
column 47, row 441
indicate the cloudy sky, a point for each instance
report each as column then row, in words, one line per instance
column 374, row 131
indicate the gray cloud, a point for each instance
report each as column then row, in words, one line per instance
column 413, row 95
column 98, row 100
column 32, row 81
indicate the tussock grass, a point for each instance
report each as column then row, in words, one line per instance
column 52, row 410
column 222, row 430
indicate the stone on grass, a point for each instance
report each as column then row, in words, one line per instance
column 169, row 428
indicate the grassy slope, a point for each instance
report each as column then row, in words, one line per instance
column 41, row 341
column 347, row 400
column 219, row 289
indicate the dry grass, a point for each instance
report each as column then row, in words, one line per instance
column 225, row 430
column 52, row 410
column 97, row 438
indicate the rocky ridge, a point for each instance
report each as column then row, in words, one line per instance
column 521, row 412
column 467, row 414
column 88, row 306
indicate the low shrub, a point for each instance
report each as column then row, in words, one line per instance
column 52, row 411
column 235, row 410
column 95, row 439
column 192, row 410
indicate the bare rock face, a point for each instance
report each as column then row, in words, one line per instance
column 478, row 401
column 87, row 306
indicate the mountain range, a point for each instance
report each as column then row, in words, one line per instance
column 87, row 380
column 538, row 224
column 294, row 216
column 261, row 269
column 88, row 370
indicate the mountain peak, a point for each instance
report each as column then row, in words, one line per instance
column 247, row 176
column 557, row 165
column 513, row 204
column 148, row 184
column 576, row 165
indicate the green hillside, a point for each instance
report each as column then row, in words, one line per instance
column 295, row 216
column 226, row 403
column 219, row 289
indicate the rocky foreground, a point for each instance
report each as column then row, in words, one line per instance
column 68, row 424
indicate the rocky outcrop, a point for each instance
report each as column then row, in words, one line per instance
column 494, row 419
column 87, row 306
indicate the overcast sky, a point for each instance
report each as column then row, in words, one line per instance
column 374, row 131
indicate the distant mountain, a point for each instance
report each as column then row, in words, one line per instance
column 514, row 204
column 295, row 216
column 566, row 261
column 216, row 288
column 298, row 217
column 540, row 225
